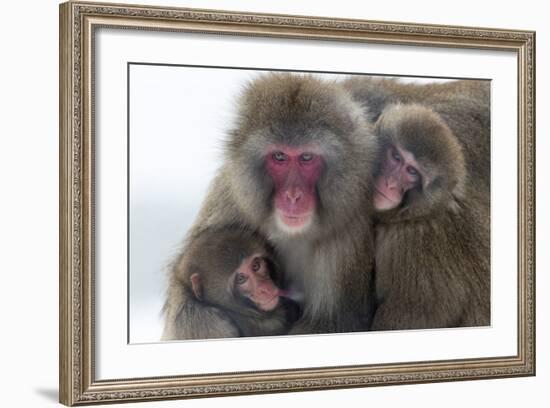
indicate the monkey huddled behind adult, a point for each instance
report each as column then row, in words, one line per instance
column 432, row 202
column 305, row 169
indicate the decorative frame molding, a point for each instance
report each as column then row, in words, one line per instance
column 78, row 20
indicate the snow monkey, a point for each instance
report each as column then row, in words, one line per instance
column 226, row 285
column 297, row 170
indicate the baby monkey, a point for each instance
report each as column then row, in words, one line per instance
column 226, row 285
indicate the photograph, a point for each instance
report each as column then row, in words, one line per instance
column 260, row 203
column 266, row 202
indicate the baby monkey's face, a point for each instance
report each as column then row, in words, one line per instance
column 252, row 280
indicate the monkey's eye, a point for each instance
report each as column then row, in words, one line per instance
column 279, row 156
column 395, row 156
column 412, row 171
column 240, row 278
column 256, row 264
column 306, row 157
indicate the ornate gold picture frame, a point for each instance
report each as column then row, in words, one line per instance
column 80, row 293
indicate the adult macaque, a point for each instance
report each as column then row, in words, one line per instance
column 296, row 170
column 226, row 286
column 432, row 228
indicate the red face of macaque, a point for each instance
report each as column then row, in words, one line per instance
column 399, row 173
column 295, row 171
column 252, row 280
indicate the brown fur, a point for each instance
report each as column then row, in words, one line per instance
column 214, row 256
column 331, row 263
column 464, row 105
column 433, row 251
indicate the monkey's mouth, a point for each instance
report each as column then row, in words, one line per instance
column 294, row 221
column 385, row 196
column 382, row 201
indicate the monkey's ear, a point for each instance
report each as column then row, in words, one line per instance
column 196, row 284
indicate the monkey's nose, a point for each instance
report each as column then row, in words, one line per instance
column 293, row 196
column 392, row 183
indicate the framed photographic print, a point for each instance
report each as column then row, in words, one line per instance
column 329, row 190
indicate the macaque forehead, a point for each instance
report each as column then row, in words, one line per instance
column 294, row 150
column 224, row 250
column 422, row 165
column 241, row 259
column 223, row 279
column 408, row 156
column 246, row 262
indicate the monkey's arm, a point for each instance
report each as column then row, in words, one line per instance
column 443, row 280
column 188, row 319
column 426, row 294
column 396, row 314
